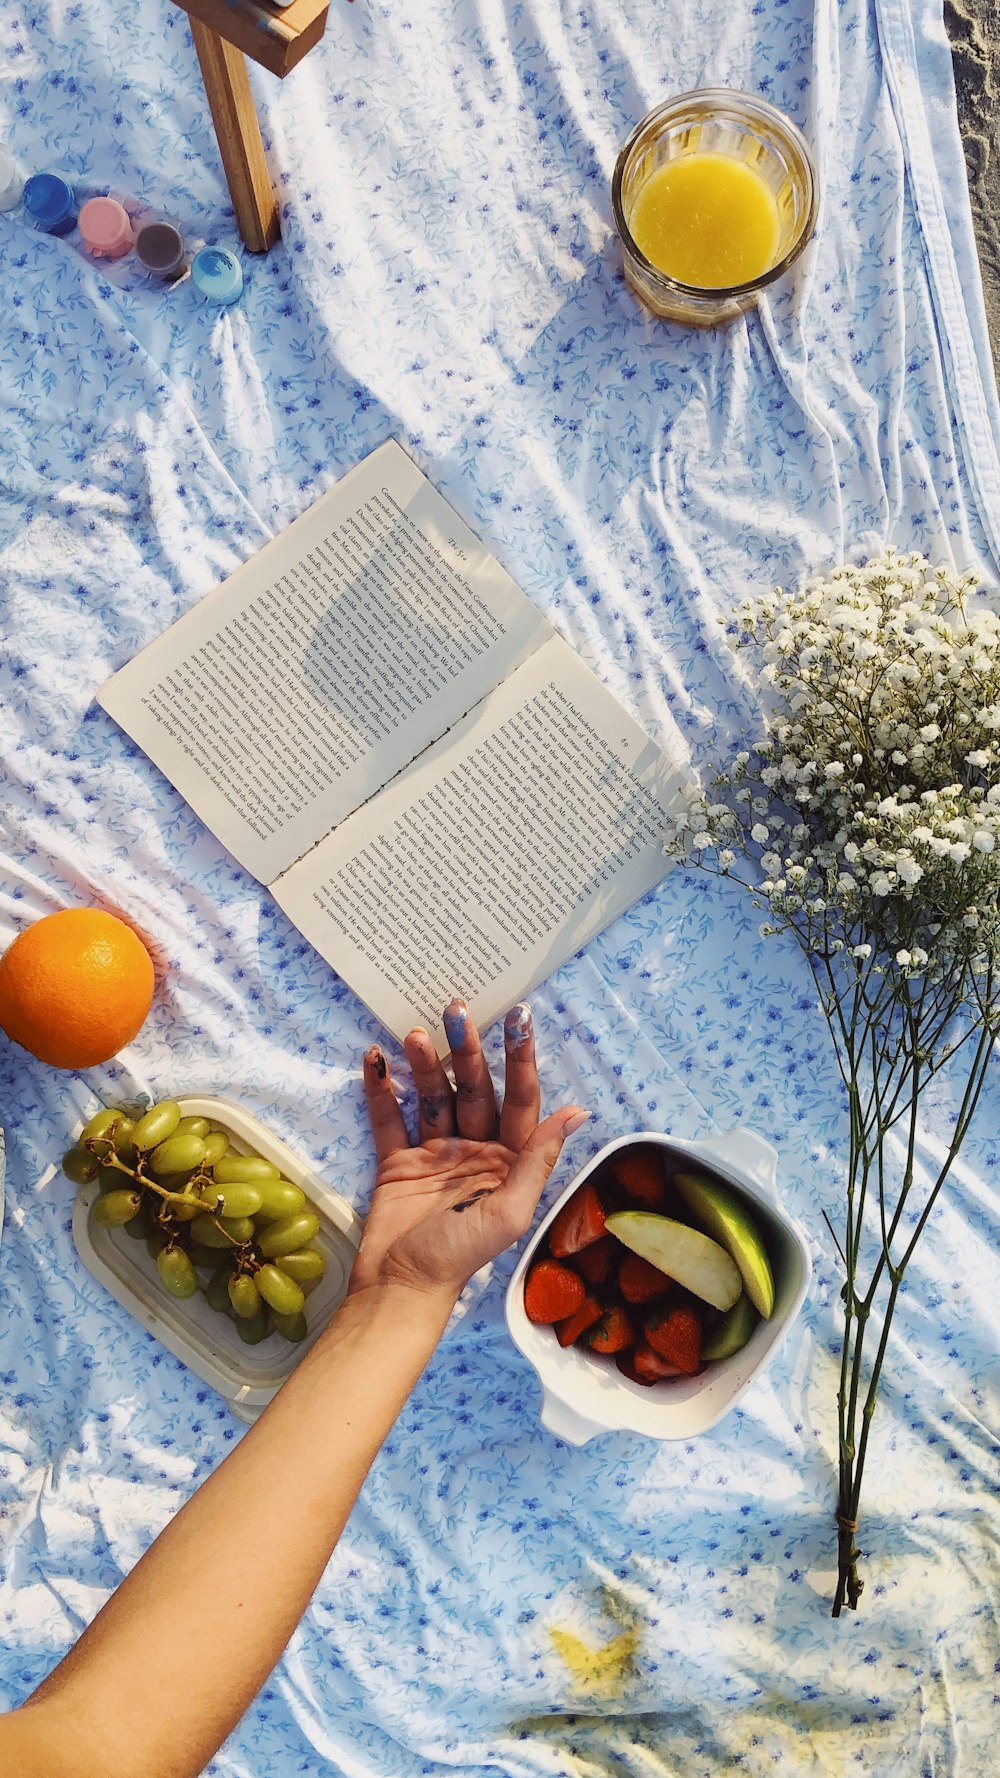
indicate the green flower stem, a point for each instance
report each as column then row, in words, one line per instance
column 852, row 1455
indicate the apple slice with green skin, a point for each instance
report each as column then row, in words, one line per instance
column 722, row 1214
column 731, row 1334
column 684, row 1253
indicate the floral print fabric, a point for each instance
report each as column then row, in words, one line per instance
column 448, row 275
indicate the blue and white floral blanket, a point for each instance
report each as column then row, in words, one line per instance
column 448, row 275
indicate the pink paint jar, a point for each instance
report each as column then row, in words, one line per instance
column 105, row 227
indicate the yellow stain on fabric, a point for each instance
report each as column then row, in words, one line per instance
column 602, row 1672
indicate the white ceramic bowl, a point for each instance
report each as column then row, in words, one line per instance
column 583, row 1396
column 248, row 1376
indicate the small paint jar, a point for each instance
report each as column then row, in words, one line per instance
column 50, row 203
column 106, row 229
column 159, row 247
column 217, row 275
column 11, row 180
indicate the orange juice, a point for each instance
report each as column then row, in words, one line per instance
column 706, row 219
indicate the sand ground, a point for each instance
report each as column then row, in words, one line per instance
column 974, row 29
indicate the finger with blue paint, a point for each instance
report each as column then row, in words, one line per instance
column 522, row 1098
column 476, row 1105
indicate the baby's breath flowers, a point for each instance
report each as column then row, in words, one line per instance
column 866, row 821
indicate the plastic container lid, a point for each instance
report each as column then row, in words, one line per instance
column 160, row 248
column 217, row 274
column 11, row 181
column 248, row 1376
column 50, row 203
column 106, row 228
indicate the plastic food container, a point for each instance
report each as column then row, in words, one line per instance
column 248, row 1376
column 583, row 1395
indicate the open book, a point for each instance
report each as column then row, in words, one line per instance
column 379, row 725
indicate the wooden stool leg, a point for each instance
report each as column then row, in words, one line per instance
column 224, row 72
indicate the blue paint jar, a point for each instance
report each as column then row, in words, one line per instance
column 50, row 203
column 217, row 275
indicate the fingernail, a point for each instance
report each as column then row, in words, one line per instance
column 456, row 1023
column 517, row 1025
column 574, row 1122
column 375, row 1060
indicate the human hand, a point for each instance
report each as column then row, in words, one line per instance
column 470, row 1186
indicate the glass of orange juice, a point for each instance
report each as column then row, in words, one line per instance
column 714, row 196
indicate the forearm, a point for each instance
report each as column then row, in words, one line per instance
column 203, row 1591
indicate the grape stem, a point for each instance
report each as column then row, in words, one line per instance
column 169, row 1197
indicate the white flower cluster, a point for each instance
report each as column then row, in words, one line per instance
column 872, row 803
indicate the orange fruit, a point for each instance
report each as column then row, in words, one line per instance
column 75, row 987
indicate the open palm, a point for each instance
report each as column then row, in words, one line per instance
column 469, row 1187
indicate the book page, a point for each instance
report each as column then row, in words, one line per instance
column 325, row 664
column 504, row 849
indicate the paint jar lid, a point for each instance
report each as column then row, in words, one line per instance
column 49, row 200
column 160, row 248
column 11, row 180
column 217, row 274
column 105, row 226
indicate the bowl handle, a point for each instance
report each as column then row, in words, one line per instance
column 745, row 1152
column 565, row 1423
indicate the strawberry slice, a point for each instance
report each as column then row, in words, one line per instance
column 598, row 1261
column 651, row 1367
column 627, row 1365
column 552, row 1292
column 676, row 1335
column 613, row 1333
column 569, row 1331
column 639, row 1171
column 645, row 1366
column 640, row 1281
column 579, row 1223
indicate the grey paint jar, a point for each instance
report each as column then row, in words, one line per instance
column 159, row 247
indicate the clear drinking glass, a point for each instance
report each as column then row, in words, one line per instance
column 715, row 120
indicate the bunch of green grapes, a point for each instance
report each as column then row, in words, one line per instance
column 202, row 1208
